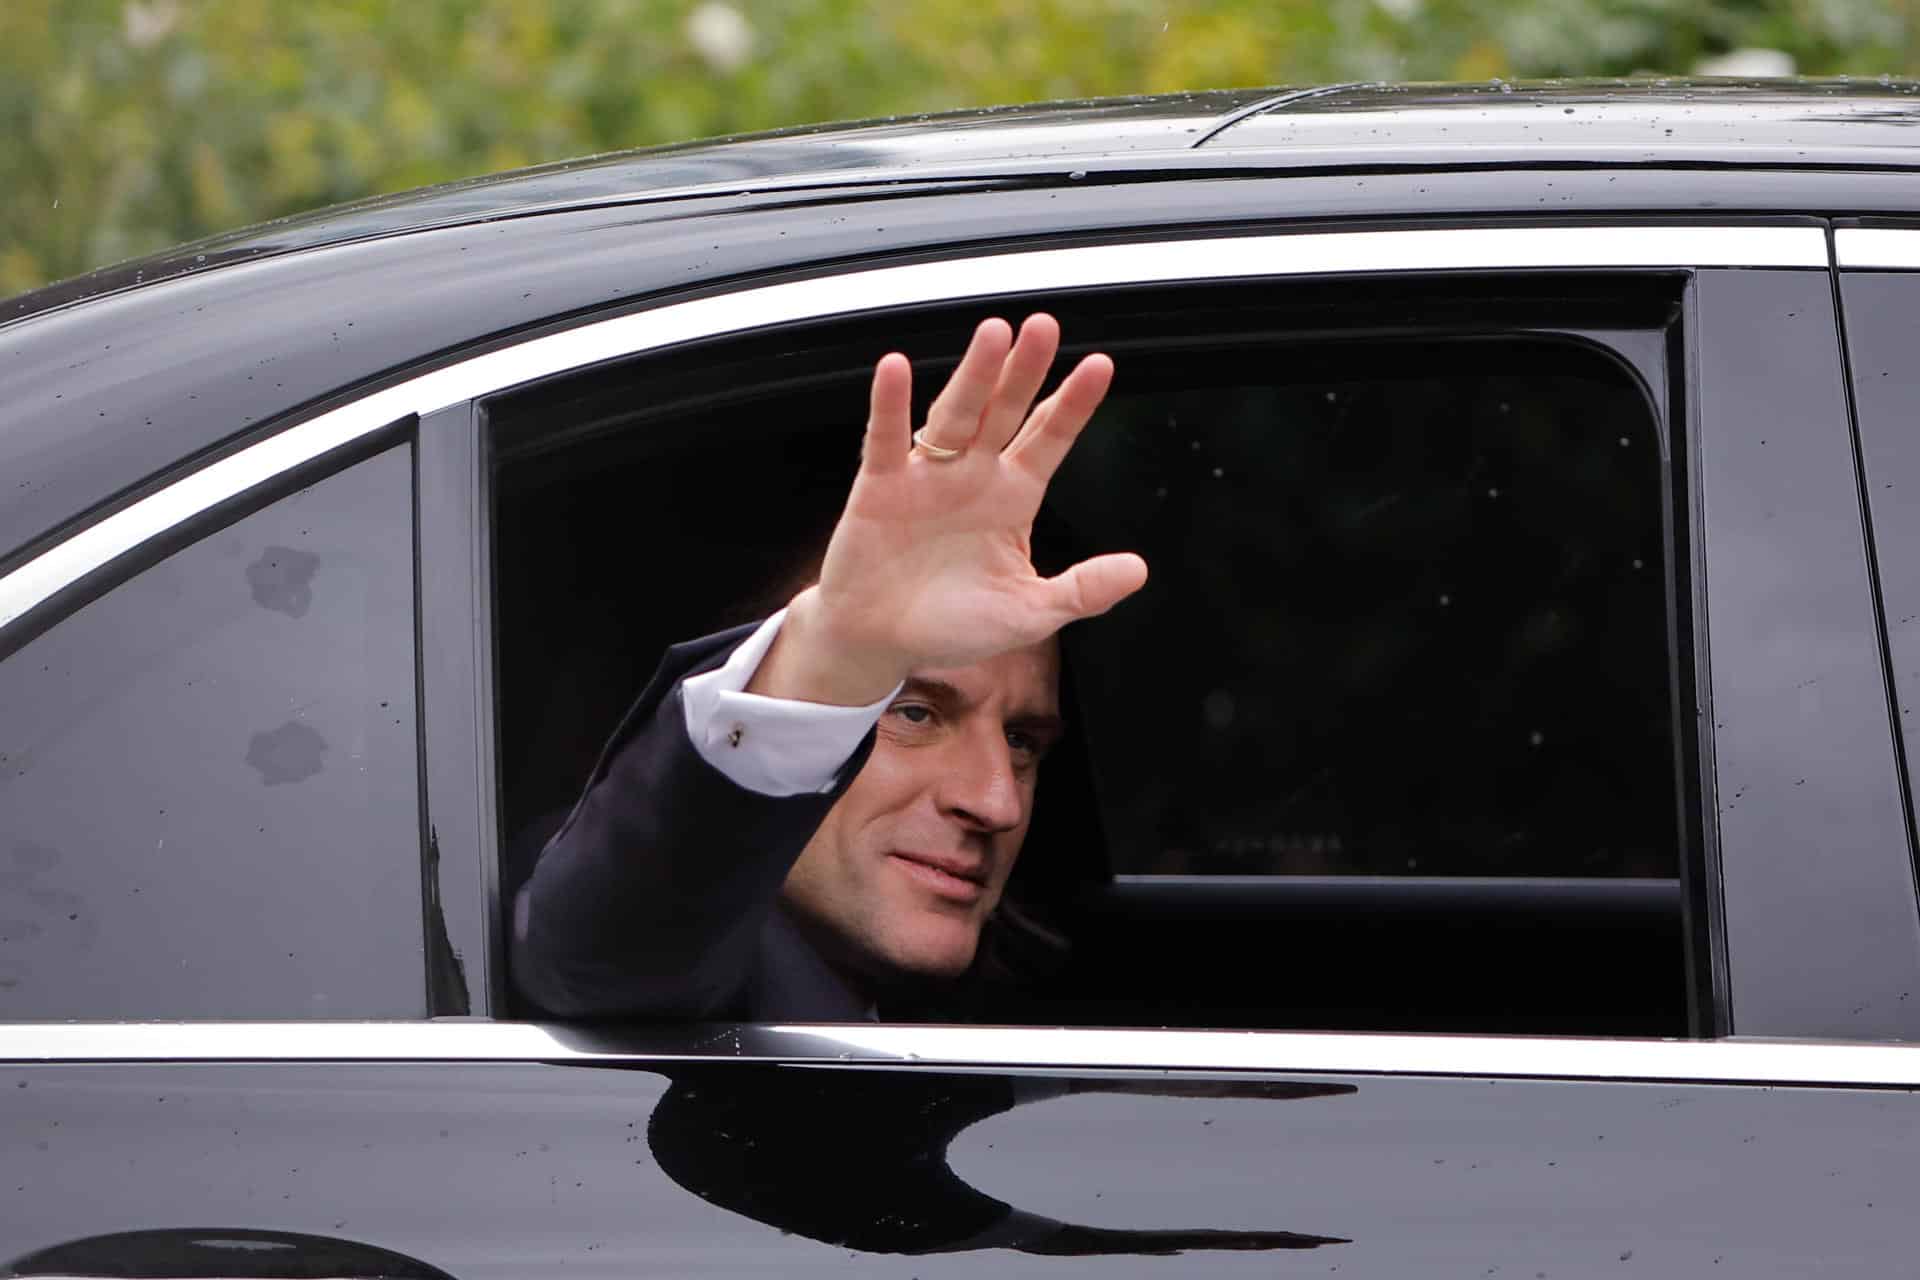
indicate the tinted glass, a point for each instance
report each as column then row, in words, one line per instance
column 208, row 777
column 1407, row 614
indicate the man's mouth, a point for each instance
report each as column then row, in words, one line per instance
column 954, row 879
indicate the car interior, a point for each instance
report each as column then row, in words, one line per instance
column 1390, row 740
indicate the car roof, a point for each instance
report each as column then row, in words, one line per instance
column 1841, row 123
column 1795, row 123
column 116, row 377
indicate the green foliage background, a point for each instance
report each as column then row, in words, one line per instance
column 130, row 125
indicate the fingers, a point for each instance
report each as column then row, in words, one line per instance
column 955, row 416
column 1021, row 374
column 1057, row 422
column 889, row 419
column 1094, row 586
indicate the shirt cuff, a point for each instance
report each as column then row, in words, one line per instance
column 775, row 746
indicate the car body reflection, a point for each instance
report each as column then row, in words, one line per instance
column 859, row 1158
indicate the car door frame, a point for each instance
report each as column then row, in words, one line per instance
column 1771, row 902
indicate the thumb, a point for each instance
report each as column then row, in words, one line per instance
column 1094, row 586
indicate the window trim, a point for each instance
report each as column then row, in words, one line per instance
column 1876, row 249
column 466, row 974
column 859, row 1045
column 1505, row 248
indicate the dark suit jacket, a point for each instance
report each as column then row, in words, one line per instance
column 657, row 898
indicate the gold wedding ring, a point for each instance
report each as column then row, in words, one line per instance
column 934, row 452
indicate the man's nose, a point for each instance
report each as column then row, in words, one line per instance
column 978, row 785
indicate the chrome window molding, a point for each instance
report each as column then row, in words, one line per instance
column 1877, row 248
column 974, row 1049
column 1558, row 247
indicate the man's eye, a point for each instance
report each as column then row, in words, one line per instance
column 913, row 712
column 1024, row 743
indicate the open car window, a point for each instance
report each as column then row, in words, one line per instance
column 1409, row 616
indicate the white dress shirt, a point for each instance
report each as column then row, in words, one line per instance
column 775, row 746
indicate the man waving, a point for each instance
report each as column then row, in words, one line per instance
column 797, row 818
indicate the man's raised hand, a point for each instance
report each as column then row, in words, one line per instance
column 930, row 565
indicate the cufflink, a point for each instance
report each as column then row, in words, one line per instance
column 735, row 734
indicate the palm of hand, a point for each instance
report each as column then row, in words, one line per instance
column 930, row 565
column 938, row 557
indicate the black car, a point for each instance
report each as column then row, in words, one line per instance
column 1486, row 848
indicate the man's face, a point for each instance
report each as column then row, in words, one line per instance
column 913, row 858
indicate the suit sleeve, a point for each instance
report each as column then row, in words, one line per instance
column 650, row 899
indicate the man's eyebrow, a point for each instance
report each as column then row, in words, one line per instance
column 934, row 690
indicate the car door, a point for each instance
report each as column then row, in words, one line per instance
column 480, row 1145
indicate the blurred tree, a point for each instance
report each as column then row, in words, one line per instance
column 132, row 125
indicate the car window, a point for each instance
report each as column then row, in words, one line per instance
column 209, row 779
column 1408, row 620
